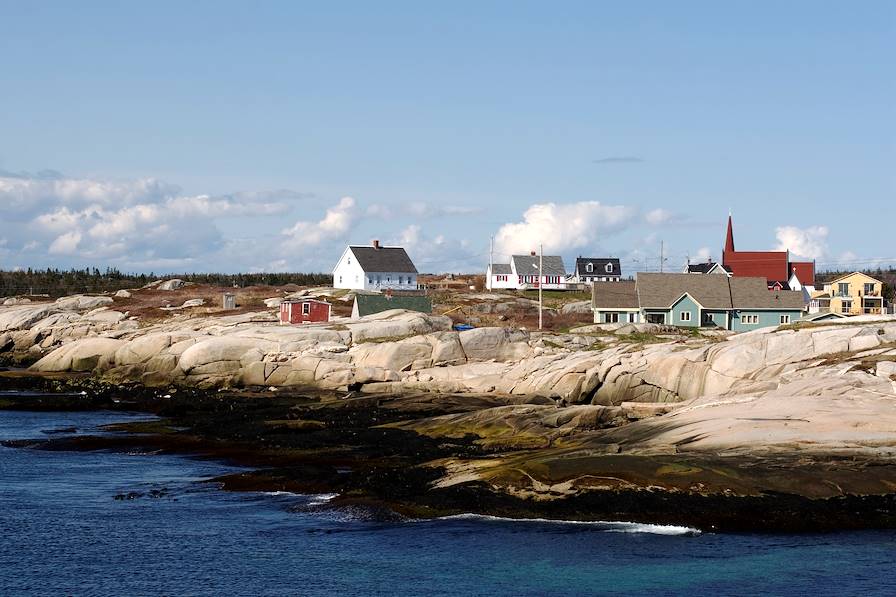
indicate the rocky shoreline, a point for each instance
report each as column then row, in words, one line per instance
column 780, row 429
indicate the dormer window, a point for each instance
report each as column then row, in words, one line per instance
column 589, row 267
column 609, row 268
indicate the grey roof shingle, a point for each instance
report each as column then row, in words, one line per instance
column 753, row 293
column 660, row 291
column 383, row 259
column 528, row 265
column 614, row 295
column 703, row 268
column 600, row 266
column 502, row 269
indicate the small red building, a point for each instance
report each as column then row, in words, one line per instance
column 304, row 311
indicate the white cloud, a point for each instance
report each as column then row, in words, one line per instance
column 141, row 224
column 808, row 243
column 434, row 253
column 562, row 227
column 66, row 244
column 702, row 254
column 658, row 216
column 335, row 224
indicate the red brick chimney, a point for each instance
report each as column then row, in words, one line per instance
column 376, row 245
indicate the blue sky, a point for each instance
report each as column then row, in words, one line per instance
column 174, row 136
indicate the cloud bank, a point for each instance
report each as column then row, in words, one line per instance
column 808, row 243
column 562, row 227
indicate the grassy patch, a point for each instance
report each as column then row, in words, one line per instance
column 641, row 338
column 384, row 339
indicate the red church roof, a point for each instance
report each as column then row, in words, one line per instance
column 771, row 265
column 805, row 271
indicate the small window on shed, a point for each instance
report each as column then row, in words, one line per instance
column 306, row 308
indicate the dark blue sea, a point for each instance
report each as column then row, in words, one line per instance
column 62, row 532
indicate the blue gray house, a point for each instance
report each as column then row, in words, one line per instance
column 739, row 304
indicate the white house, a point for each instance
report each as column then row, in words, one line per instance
column 595, row 269
column 375, row 267
column 522, row 273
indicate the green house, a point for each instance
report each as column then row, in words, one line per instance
column 696, row 301
column 368, row 304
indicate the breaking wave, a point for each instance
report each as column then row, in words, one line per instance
column 598, row 525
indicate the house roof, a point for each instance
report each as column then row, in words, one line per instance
column 528, row 265
column 614, row 295
column 661, row 291
column 705, row 268
column 501, row 269
column 768, row 264
column 823, row 315
column 835, row 280
column 383, row 259
column 753, row 293
column 805, row 272
column 368, row 304
column 600, row 266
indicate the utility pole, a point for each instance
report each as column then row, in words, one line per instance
column 662, row 255
column 540, row 283
column 491, row 263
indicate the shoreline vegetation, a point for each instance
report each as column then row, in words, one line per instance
column 320, row 443
column 790, row 429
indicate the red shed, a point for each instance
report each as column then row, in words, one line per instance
column 304, row 311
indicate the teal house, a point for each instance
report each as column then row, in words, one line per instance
column 685, row 300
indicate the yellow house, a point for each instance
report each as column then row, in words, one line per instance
column 852, row 294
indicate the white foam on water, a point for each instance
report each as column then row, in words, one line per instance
column 601, row 525
column 322, row 498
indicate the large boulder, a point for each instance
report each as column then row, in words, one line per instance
column 499, row 344
column 173, row 284
column 576, row 307
column 80, row 355
column 220, row 355
column 82, row 303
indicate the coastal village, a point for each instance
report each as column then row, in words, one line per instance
column 744, row 291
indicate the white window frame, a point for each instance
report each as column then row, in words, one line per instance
column 784, row 319
column 611, row 317
column 589, row 267
column 750, row 319
column 608, row 268
column 306, row 308
column 684, row 316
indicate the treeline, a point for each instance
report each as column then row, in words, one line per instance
column 56, row 282
column 887, row 276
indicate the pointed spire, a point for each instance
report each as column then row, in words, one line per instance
column 729, row 239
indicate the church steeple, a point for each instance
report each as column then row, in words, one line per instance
column 729, row 239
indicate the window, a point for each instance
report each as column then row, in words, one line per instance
column 749, row 319
column 843, row 288
column 709, row 317
column 589, row 267
column 845, row 306
column 370, row 280
column 306, row 308
column 869, row 288
column 609, row 268
column 632, row 317
column 785, row 319
column 348, row 261
column 611, row 317
column 401, row 279
column 340, row 279
column 656, row 318
column 684, row 315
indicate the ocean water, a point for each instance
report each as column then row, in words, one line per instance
column 63, row 532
